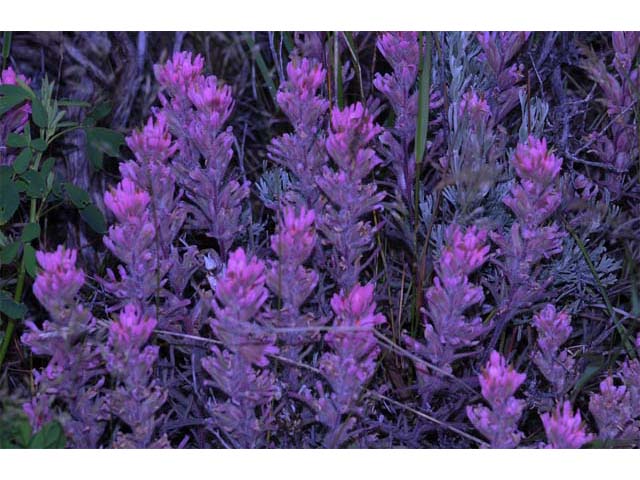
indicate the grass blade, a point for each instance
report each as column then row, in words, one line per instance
column 262, row 66
column 6, row 48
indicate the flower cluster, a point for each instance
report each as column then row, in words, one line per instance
column 498, row 383
column 303, row 152
column 149, row 216
column 564, row 429
column 136, row 397
column 617, row 149
column 617, row 408
column 240, row 295
column 197, row 109
column 72, row 376
column 401, row 50
column 350, row 364
column 447, row 327
column 289, row 279
column 533, row 200
column 352, row 129
column 554, row 329
column 499, row 48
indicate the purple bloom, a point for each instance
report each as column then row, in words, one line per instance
column 72, row 378
column 535, row 163
column 351, row 363
column 553, row 329
column 351, row 131
column 303, row 151
column 296, row 237
column 59, row 280
column 498, row 383
column 179, row 72
column 238, row 326
column 564, row 429
column 447, row 328
column 196, row 111
column 288, row 278
column 153, row 144
column 136, row 396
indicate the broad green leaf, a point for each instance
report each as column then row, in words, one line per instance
column 95, row 157
column 31, row 231
column 29, row 256
column 8, row 253
column 106, row 140
column 11, row 308
column 47, row 166
column 35, row 182
column 9, row 199
column 11, row 96
column 39, row 114
column 78, row 196
column 101, row 111
column 94, row 218
column 50, row 435
column 22, row 161
column 39, row 144
column 6, row 47
column 17, row 141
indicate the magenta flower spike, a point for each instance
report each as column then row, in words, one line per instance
column 564, row 429
column 498, row 383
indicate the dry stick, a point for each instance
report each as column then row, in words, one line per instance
column 217, row 342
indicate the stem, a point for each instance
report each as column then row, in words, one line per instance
column 422, row 127
column 11, row 326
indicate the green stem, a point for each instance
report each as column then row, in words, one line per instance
column 422, row 127
column 11, row 326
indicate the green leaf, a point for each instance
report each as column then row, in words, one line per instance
column 78, row 196
column 95, row 157
column 423, row 98
column 6, row 48
column 6, row 172
column 106, row 140
column 8, row 253
column 50, row 435
column 9, row 199
column 29, row 257
column 12, row 96
column 22, row 161
column 17, row 141
column 11, row 308
column 23, row 432
column 35, row 183
column 31, row 231
column 94, row 219
column 262, row 67
column 47, row 166
column 39, row 144
column 101, row 111
column 39, row 114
